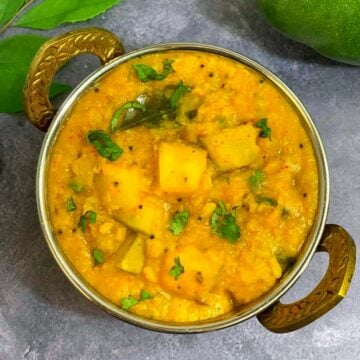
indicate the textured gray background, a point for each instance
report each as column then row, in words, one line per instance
column 43, row 317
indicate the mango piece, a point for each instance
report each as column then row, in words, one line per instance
column 181, row 167
column 130, row 256
column 232, row 148
column 119, row 187
column 201, row 271
column 149, row 217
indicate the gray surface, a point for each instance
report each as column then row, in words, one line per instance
column 43, row 317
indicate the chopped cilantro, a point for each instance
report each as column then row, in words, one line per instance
column 70, row 205
column 179, row 91
column 127, row 106
column 88, row 218
column 128, row 302
column 145, row 295
column 223, row 223
column 265, row 131
column 147, row 73
column 266, row 200
column 177, row 269
column 73, row 185
column 178, row 222
column 256, row 179
column 104, row 144
column 98, row 256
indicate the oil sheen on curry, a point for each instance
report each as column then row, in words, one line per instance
column 182, row 186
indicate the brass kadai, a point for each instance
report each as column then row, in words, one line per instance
column 270, row 312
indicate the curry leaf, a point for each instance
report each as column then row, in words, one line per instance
column 256, row 179
column 265, row 131
column 51, row 13
column 146, row 73
column 127, row 106
column 266, row 200
column 104, row 144
column 16, row 54
column 88, row 218
column 70, row 204
column 179, row 91
column 9, row 8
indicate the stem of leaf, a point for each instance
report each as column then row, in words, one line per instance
column 10, row 21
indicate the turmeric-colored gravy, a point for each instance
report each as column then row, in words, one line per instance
column 182, row 185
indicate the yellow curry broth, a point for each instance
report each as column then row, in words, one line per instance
column 186, row 165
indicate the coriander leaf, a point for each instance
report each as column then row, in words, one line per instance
column 51, row 13
column 146, row 73
column 88, row 218
column 145, row 295
column 178, row 222
column 266, row 200
column 70, row 205
column 256, row 179
column 104, row 144
column 177, row 269
column 128, row 302
column 223, row 223
column 179, row 91
column 76, row 187
column 16, row 54
column 265, row 130
column 98, row 256
column 8, row 8
column 129, row 105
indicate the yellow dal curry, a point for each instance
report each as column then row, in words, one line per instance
column 182, row 186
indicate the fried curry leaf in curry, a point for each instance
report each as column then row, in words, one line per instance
column 266, row 200
column 88, row 218
column 178, row 222
column 223, row 223
column 147, row 73
column 177, row 269
column 70, row 205
column 152, row 109
column 265, row 131
column 129, row 105
column 104, row 144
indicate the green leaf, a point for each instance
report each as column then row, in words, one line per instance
column 178, row 222
column 104, row 144
column 145, row 295
column 266, row 200
column 98, row 256
column 51, row 13
column 16, row 54
column 147, row 73
column 76, row 187
column 256, row 179
column 8, row 8
column 88, row 218
column 127, row 106
column 128, row 302
column 180, row 90
column 223, row 223
column 265, row 130
column 177, row 269
column 70, row 205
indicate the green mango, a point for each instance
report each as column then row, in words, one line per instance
column 331, row 27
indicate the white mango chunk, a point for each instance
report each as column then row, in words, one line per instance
column 181, row 167
column 232, row 148
column 131, row 256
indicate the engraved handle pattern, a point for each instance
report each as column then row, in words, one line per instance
column 52, row 56
column 330, row 291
